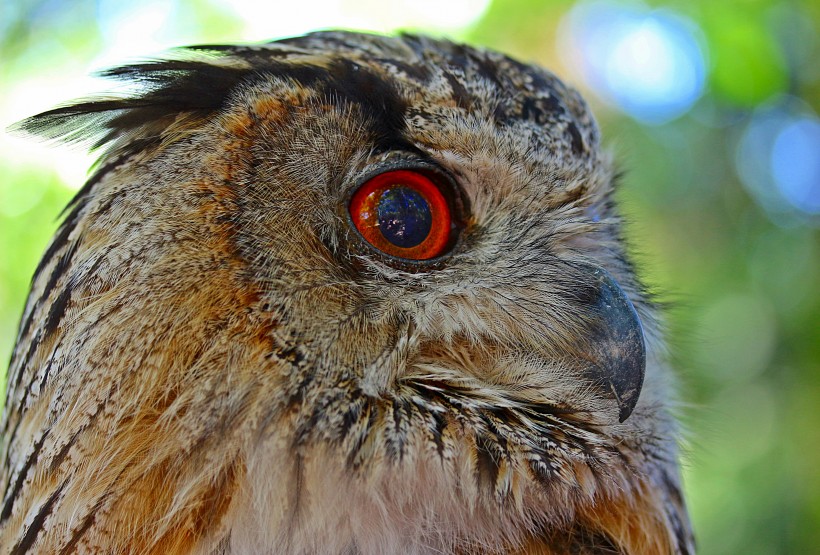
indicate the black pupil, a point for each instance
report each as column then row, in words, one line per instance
column 404, row 217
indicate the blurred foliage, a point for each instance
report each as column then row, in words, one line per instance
column 743, row 280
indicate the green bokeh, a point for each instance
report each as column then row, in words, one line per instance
column 745, row 316
column 748, row 63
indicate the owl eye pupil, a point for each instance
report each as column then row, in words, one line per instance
column 404, row 217
column 403, row 213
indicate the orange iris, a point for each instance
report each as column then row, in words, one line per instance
column 402, row 213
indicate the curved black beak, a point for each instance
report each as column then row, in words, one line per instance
column 616, row 345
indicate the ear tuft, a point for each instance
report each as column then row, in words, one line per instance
column 183, row 90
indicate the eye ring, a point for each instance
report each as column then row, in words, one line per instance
column 403, row 213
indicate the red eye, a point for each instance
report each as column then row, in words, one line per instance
column 402, row 213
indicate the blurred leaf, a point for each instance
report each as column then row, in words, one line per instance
column 748, row 66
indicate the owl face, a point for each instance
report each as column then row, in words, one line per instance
column 343, row 293
column 516, row 285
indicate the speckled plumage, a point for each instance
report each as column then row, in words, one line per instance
column 212, row 361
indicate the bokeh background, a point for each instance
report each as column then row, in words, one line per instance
column 711, row 108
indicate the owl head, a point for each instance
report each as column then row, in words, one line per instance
column 340, row 293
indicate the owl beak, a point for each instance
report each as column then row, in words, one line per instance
column 616, row 345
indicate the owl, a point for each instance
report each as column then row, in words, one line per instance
column 339, row 294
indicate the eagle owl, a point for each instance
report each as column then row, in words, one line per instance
column 339, row 294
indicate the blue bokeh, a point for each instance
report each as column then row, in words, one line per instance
column 778, row 160
column 648, row 63
column 795, row 161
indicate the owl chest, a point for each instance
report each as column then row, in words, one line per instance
column 313, row 502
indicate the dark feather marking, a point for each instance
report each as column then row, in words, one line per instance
column 57, row 310
column 351, row 416
column 43, row 380
column 371, row 409
column 577, row 142
column 11, row 496
column 395, row 443
column 541, row 470
column 464, row 99
column 415, row 71
column 545, row 411
column 488, row 462
column 493, row 415
column 36, row 525
column 8, row 440
column 77, row 535
column 540, row 109
column 61, row 455
column 439, row 424
column 58, row 242
column 32, row 348
column 467, row 57
column 60, row 267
